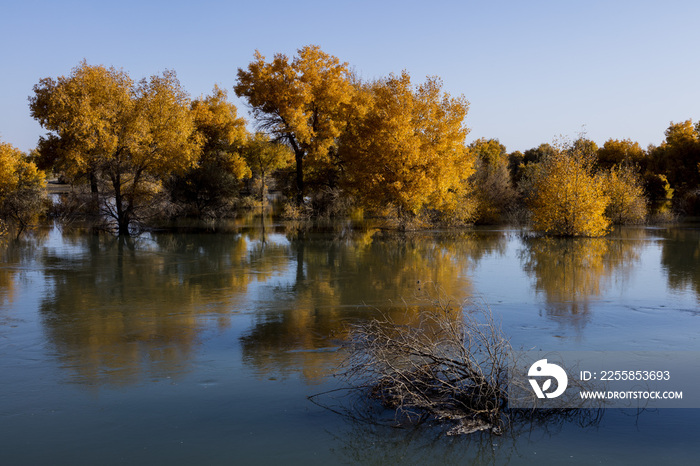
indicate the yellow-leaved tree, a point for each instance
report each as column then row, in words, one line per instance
column 678, row 157
column 21, row 186
column 565, row 196
column 628, row 204
column 215, row 176
column 491, row 184
column 125, row 137
column 406, row 150
column 302, row 103
column 264, row 157
column 621, row 152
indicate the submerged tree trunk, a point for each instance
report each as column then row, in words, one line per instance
column 122, row 217
column 124, row 225
column 93, row 183
column 94, row 194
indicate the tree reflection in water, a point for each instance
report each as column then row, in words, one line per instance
column 573, row 272
column 680, row 259
column 16, row 253
column 348, row 276
column 117, row 308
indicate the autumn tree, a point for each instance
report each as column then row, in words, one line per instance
column 515, row 159
column 302, row 102
column 215, row 176
column 678, row 157
column 660, row 195
column 621, row 152
column 518, row 161
column 567, row 198
column 21, row 186
column 407, row 149
column 582, row 148
column 491, row 181
column 264, row 157
column 538, row 153
column 129, row 136
column 628, row 204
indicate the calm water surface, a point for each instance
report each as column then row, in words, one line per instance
column 201, row 348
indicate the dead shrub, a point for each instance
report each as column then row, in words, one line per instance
column 450, row 366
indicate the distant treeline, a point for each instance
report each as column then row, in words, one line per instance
column 330, row 144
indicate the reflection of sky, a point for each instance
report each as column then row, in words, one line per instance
column 636, row 308
column 273, row 239
column 217, row 405
column 61, row 246
column 500, row 279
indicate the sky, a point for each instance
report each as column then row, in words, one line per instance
column 531, row 70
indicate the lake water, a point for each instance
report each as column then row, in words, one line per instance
column 202, row 348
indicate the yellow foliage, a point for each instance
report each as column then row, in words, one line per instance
column 21, row 186
column 620, row 152
column 104, row 125
column 9, row 161
column 628, row 204
column 573, row 272
column 16, row 172
column 678, row 157
column 222, row 133
column 303, row 103
column 265, row 156
column 166, row 127
column 83, row 110
column 491, row 185
column 566, row 198
column 407, row 149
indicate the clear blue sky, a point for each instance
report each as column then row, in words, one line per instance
column 532, row 70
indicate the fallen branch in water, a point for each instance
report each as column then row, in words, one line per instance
column 450, row 366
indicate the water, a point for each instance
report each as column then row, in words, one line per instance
column 202, row 348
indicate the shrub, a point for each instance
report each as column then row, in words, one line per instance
column 21, row 187
column 628, row 204
column 566, row 198
column 449, row 367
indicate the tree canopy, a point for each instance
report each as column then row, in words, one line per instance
column 263, row 157
column 21, row 184
column 492, row 186
column 678, row 157
column 567, row 199
column 337, row 145
column 127, row 135
column 621, row 152
column 407, row 150
column 215, row 176
column 302, row 102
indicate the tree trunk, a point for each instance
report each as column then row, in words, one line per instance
column 124, row 225
column 122, row 214
column 299, row 157
column 93, row 183
column 262, row 190
column 94, row 194
column 300, row 177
